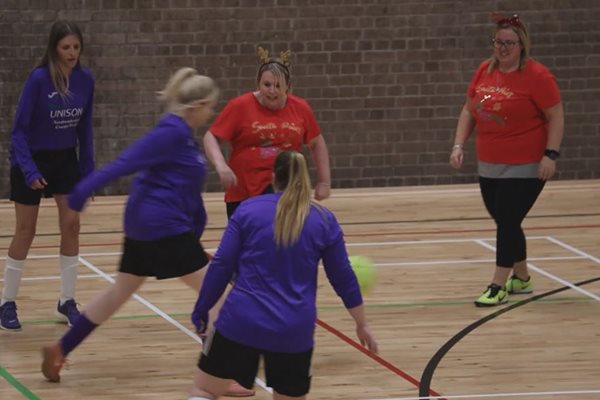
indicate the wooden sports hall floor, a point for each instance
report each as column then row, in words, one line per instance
column 434, row 252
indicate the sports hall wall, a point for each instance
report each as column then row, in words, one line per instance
column 386, row 78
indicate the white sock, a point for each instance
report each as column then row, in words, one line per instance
column 198, row 398
column 68, row 277
column 12, row 279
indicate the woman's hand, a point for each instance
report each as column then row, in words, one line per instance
column 366, row 338
column 546, row 168
column 322, row 190
column 457, row 156
column 39, row 183
column 200, row 321
column 226, row 176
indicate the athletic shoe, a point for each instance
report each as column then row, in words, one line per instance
column 53, row 362
column 68, row 312
column 516, row 285
column 494, row 295
column 237, row 390
column 8, row 317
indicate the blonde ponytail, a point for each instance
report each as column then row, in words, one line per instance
column 291, row 176
column 185, row 87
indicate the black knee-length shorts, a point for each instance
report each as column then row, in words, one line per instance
column 168, row 257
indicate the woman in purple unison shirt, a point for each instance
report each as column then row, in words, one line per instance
column 53, row 119
column 273, row 244
column 164, row 216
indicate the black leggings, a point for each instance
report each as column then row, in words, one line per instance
column 233, row 205
column 508, row 201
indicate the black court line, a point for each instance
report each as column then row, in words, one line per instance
column 424, row 387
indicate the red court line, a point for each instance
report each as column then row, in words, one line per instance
column 374, row 356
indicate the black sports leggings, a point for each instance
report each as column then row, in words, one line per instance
column 232, row 206
column 508, row 201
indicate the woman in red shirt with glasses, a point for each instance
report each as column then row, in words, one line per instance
column 515, row 104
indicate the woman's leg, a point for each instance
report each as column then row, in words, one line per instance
column 25, row 226
column 208, row 386
column 103, row 306
column 68, row 222
column 508, row 201
column 194, row 280
column 95, row 313
column 515, row 197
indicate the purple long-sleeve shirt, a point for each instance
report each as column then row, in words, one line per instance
column 165, row 198
column 272, row 304
column 45, row 121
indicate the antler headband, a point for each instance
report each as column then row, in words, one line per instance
column 283, row 61
column 284, row 57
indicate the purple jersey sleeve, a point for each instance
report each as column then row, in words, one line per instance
column 151, row 149
column 23, row 118
column 220, row 272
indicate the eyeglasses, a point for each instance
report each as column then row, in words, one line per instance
column 509, row 44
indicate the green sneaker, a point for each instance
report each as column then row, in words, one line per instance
column 516, row 285
column 494, row 295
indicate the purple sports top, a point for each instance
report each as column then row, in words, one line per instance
column 272, row 305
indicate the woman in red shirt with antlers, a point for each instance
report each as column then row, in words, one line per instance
column 259, row 125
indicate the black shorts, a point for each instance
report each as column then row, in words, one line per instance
column 60, row 169
column 169, row 257
column 287, row 373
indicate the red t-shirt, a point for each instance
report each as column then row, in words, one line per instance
column 508, row 111
column 257, row 135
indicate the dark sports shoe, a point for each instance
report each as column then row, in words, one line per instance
column 8, row 317
column 68, row 312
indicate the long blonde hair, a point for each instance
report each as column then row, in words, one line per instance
column 185, row 87
column 291, row 177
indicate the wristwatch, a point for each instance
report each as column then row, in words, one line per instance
column 552, row 154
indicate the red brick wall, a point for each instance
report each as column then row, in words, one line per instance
column 386, row 78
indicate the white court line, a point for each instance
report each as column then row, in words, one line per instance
column 497, row 395
column 57, row 277
column 357, row 244
column 435, row 241
column 574, row 249
column 468, row 261
column 548, row 274
column 396, row 264
column 161, row 313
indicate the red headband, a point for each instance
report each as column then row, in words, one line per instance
column 513, row 21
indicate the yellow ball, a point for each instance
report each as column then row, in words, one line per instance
column 365, row 272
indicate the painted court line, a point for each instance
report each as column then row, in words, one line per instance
column 469, row 261
column 449, row 191
column 574, row 249
column 548, row 274
column 164, row 315
column 499, row 395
